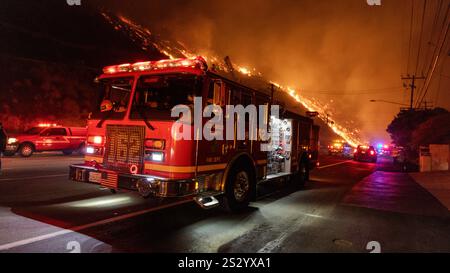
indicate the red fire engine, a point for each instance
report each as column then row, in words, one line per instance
column 130, row 145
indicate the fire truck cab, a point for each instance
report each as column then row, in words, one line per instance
column 131, row 144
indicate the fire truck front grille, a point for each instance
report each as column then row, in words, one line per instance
column 124, row 147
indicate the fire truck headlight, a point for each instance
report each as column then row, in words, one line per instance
column 12, row 140
column 157, row 157
column 90, row 150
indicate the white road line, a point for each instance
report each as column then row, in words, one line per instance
column 335, row 164
column 86, row 226
column 33, row 177
column 274, row 244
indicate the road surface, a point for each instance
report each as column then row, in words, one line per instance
column 345, row 206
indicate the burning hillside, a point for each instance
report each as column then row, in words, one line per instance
column 175, row 49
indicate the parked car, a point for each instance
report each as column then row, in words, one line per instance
column 47, row 138
column 365, row 153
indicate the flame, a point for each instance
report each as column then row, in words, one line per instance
column 175, row 50
column 245, row 71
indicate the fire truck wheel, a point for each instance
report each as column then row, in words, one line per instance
column 302, row 174
column 238, row 188
column 26, row 150
column 67, row 152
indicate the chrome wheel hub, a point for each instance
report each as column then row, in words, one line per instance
column 241, row 186
column 27, row 150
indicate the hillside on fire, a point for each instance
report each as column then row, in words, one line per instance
column 48, row 69
column 52, row 67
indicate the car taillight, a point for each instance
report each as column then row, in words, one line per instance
column 372, row 152
column 355, row 150
column 95, row 139
column 157, row 144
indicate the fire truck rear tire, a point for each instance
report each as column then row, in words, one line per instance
column 302, row 174
column 239, row 188
column 26, row 150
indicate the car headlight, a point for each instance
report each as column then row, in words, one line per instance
column 12, row 140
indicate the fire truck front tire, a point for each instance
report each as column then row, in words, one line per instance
column 239, row 187
column 26, row 150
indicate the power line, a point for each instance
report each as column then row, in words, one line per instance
column 434, row 60
column 420, row 36
column 433, row 28
column 435, row 50
column 420, row 47
column 410, row 35
column 349, row 92
column 433, row 65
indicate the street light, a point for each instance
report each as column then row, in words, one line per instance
column 392, row 102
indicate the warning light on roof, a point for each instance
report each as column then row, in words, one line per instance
column 197, row 62
column 47, row 125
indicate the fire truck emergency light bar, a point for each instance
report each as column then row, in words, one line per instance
column 197, row 62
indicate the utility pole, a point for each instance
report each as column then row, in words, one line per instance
column 412, row 86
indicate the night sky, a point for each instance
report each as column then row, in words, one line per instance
column 343, row 53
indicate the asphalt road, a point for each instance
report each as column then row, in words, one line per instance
column 345, row 206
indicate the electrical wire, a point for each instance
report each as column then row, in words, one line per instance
column 410, row 35
column 352, row 92
column 433, row 29
column 420, row 36
column 434, row 64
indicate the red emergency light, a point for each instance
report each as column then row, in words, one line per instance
column 197, row 62
column 47, row 125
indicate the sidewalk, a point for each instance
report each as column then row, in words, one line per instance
column 437, row 183
column 394, row 192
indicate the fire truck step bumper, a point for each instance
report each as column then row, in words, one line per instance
column 206, row 202
column 147, row 186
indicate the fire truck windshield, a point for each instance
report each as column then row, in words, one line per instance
column 113, row 98
column 157, row 95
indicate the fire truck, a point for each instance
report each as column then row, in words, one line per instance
column 131, row 147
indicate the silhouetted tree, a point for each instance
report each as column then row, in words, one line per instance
column 435, row 130
column 406, row 122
